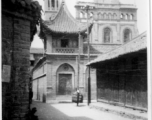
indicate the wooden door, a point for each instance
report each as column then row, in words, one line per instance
column 65, row 84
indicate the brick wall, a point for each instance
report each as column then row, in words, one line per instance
column 15, row 54
column 6, row 60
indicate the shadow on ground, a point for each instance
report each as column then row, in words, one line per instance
column 46, row 112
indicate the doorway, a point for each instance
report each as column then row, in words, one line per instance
column 65, row 84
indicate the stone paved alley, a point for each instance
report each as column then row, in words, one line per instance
column 69, row 111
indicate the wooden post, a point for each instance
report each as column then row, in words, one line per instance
column 89, row 85
column 78, row 61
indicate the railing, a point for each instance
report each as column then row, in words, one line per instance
column 65, row 50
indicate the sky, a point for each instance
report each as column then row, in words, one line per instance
column 142, row 16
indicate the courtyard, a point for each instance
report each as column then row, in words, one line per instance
column 70, row 111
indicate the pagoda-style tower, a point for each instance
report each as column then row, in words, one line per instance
column 65, row 60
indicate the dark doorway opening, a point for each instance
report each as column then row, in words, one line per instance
column 65, row 84
column 64, row 43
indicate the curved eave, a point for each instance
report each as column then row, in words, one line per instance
column 48, row 30
column 64, row 23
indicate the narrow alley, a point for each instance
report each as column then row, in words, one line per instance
column 69, row 111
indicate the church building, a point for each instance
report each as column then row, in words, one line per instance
column 63, row 67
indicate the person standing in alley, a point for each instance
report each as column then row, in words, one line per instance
column 30, row 91
column 78, row 97
column 30, row 95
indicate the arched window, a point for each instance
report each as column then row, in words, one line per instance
column 127, row 35
column 53, row 3
column 110, row 16
column 99, row 15
column 91, row 15
column 85, row 15
column 114, row 16
column 49, row 4
column 104, row 16
column 122, row 16
column 57, row 4
column 81, row 15
column 131, row 17
column 107, row 35
column 126, row 17
column 107, row 16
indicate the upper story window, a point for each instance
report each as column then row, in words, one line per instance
column 104, row 16
column 53, row 3
column 122, row 16
column 91, row 15
column 107, row 35
column 99, row 16
column 48, row 4
column 127, row 35
column 64, row 43
column 110, row 16
column 131, row 17
column 81, row 15
column 57, row 3
column 114, row 16
column 126, row 17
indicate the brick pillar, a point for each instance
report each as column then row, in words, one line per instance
column 20, row 68
column 6, row 61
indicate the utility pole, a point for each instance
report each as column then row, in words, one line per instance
column 89, row 85
column 87, row 8
column 78, row 60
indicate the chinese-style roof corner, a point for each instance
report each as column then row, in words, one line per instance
column 135, row 45
column 64, row 22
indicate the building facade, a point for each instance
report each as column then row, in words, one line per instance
column 114, row 23
column 18, row 28
column 60, row 72
column 35, row 55
column 122, row 75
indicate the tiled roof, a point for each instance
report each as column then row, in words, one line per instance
column 64, row 22
column 138, row 43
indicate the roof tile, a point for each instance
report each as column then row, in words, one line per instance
column 65, row 23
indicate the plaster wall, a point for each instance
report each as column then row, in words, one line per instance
column 52, row 76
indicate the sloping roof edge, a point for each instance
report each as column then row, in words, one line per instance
column 138, row 43
column 39, row 62
column 47, row 29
